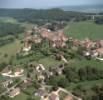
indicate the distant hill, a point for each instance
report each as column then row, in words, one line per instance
column 85, row 8
column 41, row 16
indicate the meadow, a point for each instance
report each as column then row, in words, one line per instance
column 84, row 29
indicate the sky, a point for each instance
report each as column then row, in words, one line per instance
column 38, row 4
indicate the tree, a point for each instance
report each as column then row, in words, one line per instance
column 71, row 74
column 63, row 82
column 82, row 74
column 5, row 55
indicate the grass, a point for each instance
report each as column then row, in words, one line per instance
column 82, row 63
column 21, row 96
column 46, row 61
column 8, row 20
column 27, row 25
column 49, row 62
column 85, row 29
column 9, row 49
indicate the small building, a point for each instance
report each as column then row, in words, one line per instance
column 42, row 93
column 25, row 84
column 54, row 96
column 7, row 83
column 27, row 48
column 36, row 39
column 99, row 43
column 14, row 92
column 18, row 71
column 40, row 68
column 68, row 98
column 97, row 52
column 6, row 71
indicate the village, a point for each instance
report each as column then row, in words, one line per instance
column 58, row 39
column 17, row 80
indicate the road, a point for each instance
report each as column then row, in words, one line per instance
column 9, row 89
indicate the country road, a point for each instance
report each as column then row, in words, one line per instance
column 9, row 89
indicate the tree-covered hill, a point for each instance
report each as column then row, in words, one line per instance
column 33, row 15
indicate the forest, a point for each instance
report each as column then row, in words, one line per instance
column 41, row 16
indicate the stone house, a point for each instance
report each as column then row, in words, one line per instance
column 14, row 92
column 18, row 71
column 6, row 71
column 7, row 83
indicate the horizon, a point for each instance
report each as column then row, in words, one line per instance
column 45, row 4
column 57, row 7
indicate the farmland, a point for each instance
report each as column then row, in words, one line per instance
column 85, row 29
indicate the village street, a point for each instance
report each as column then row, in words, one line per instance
column 9, row 89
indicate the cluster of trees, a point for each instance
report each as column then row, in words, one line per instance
column 56, row 25
column 10, row 29
column 71, row 75
column 3, row 65
column 99, row 20
column 95, row 92
column 42, row 16
column 6, row 41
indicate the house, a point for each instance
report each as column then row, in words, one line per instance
column 45, row 33
column 41, row 78
column 25, row 84
column 18, row 71
column 42, row 93
column 6, row 71
column 27, row 48
column 68, row 98
column 58, row 70
column 76, row 42
column 88, row 44
column 58, row 38
column 40, row 68
column 97, row 52
column 99, row 43
column 86, row 53
column 36, row 39
column 54, row 96
column 7, row 83
column 27, row 44
column 14, row 92
column 72, row 98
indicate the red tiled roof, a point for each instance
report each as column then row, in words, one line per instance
column 53, row 96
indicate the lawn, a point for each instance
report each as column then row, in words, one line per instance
column 49, row 62
column 46, row 61
column 21, row 96
column 84, row 29
column 27, row 25
column 8, row 20
column 9, row 49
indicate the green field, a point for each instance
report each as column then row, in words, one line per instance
column 8, row 20
column 21, row 96
column 9, row 49
column 76, row 63
column 86, row 29
column 12, row 48
column 27, row 25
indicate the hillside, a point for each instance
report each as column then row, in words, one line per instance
column 84, row 8
column 85, row 29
